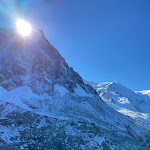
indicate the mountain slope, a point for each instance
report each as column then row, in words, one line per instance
column 46, row 105
column 126, row 101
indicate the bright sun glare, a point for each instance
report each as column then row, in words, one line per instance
column 23, row 27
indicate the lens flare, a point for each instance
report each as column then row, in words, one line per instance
column 23, row 27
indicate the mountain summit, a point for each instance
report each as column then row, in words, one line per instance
column 130, row 103
column 44, row 103
column 34, row 62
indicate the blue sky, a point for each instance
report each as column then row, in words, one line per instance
column 103, row 40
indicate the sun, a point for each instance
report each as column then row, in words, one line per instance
column 23, row 27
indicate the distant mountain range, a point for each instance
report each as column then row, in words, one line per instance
column 45, row 104
column 135, row 104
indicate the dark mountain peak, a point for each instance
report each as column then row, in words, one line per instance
column 34, row 62
column 41, row 31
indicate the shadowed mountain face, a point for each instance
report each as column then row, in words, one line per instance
column 44, row 103
column 34, row 62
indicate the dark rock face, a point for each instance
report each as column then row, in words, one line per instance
column 33, row 61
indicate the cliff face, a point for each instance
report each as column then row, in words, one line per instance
column 34, row 62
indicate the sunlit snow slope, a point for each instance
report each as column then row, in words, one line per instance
column 133, row 104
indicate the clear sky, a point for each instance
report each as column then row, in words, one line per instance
column 103, row 40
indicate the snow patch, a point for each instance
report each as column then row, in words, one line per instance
column 81, row 92
column 18, row 96
column 60, row 89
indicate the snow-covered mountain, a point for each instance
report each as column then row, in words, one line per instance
column 145, row 92
column 44, row 103
column 130, row 103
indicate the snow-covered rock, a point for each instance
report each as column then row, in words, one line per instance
column 44, row 103
column 144, row 92
column 130, row 103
